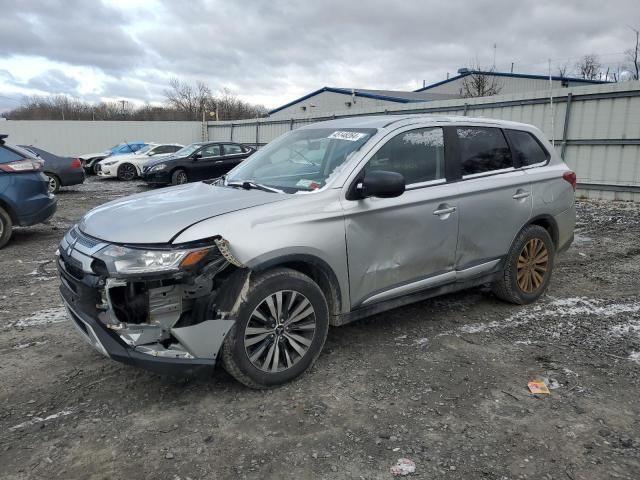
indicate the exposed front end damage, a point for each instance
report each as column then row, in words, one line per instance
column 166, row 321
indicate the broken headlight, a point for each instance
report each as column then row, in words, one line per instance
column 126, row 260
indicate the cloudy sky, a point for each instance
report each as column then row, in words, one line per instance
column 270, row 52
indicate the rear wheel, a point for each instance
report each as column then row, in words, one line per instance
column 6, row 226
column 127, row 171
column 54, row 183
column 179, row 177
column 528, row 267
column 280, row 329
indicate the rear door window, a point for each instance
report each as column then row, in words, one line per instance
column 231, row 149
column 418, row 155
column 210, row 151
column 526, row 148
column 483, row 150
column 7, row 155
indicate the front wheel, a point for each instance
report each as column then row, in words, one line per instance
column 281, row 326
column 528, row 267
column 127, row 172
column 179, row 177
column 6, row 226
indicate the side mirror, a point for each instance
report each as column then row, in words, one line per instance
column 382, row 184
column 196, row 156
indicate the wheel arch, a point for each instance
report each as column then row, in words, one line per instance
column 316, row 269
column 549, row 224
column 7, row 208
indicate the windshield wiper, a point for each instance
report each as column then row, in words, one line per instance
column 248, row 185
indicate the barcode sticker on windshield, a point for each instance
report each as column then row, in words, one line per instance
column 350, row 136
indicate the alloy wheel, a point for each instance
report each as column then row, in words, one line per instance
column 533, row 264
column 280, row 331
column 127, row 171
column 53, row 185
column 181, row 178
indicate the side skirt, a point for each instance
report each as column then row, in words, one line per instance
column 369, row 310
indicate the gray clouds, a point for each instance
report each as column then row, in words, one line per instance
column 281, row 49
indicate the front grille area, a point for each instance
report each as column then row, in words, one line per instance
column 84, row 240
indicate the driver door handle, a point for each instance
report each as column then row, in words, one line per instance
column 444, row 210
column 521, row 194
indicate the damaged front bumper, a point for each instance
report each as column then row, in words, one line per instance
column 155, row 322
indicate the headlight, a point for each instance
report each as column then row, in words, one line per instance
column 157, row 168
column 132, row 260
column 109, row 163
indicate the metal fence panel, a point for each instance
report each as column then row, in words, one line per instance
column 73, row 138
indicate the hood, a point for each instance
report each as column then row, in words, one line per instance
column 155, row 160
column 104, row 153
column 158, row 216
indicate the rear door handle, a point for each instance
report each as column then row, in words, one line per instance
column 219, row 161
column 444, row 211
column 521, row 194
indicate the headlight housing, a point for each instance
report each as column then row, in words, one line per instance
column 109, row 163
column 128, row 261
column 157, row 168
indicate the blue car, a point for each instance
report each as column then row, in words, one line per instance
column 24, row 190
column 90, row 160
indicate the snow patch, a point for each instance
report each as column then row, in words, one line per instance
column 559, row 308
column 36, row 420
column 43, row 317
column 635, row 357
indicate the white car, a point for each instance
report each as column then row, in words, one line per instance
column 128, row 167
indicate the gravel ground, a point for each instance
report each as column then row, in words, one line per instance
column 442, row 382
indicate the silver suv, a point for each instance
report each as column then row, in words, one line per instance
column 327, row 224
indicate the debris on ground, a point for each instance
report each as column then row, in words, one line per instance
column 538, row 386
column 403, row 467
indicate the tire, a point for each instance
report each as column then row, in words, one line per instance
column 294, row 347
column 179, row 177
column 94, row 167
column 6, row 226
column 528, row 267
column 54, row 183
column 127, row 172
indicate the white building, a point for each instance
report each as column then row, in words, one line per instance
column 328, row 100
column 506, row 83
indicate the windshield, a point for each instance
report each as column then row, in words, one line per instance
column 188, row 150
column 302, row 160
column 144, row 149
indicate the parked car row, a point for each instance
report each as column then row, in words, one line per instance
column 167, row 163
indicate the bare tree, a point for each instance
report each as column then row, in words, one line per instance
column 562, row 70
column 183, row 102
column 589, row 67
column 480, row 83
column 633, row 55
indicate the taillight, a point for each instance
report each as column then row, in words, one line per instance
column 571, row 178
column 76, row 163
column 25, row 165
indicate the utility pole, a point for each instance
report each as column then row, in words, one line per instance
column 495, row 48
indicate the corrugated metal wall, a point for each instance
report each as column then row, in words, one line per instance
column 77, row 137
column 596, row 129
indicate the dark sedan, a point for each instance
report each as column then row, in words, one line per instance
column 61, row 171
column 198, row 161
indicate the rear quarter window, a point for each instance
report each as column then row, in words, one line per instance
column 526, row 148
column 483, row 150
column 7, row 155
